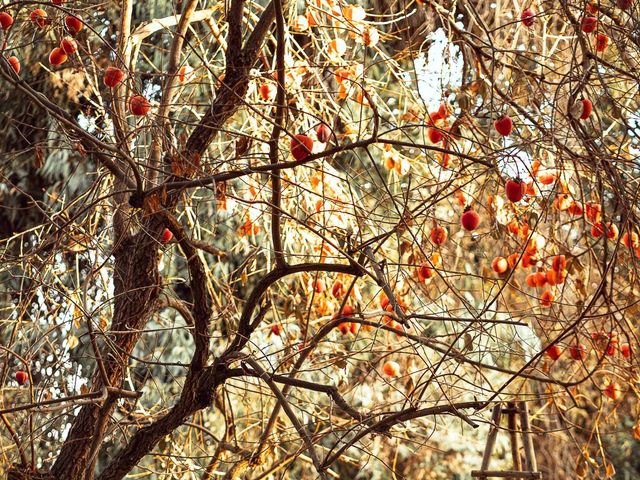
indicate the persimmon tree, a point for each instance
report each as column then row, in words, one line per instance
column 308, row 239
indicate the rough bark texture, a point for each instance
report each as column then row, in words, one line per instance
column 137, row 286
column 136, row 290
column 198, row 393
column 23, row 473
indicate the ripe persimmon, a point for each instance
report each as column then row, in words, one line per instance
column 139, row 105
column 38, row 17
column 540, row 279
column 346, row 311
column 601, row 42
column 578, row 351
column 530, row 280
column 611, row 230
column 499, row 265
column 593, row 211
column 528, row 260
column 470, row 219
column 613, row 391
column 527, row 17
column 185, row 72
column 504, row 125
column 57, row 56
column 625, row 350
column 266, row 91
column 575, row 208
column 589, row 24
column 435, row 135
column 301, row 146
column 112, row 77
column 438, row 235
column 515, row 190
column 547, row 298
column 318, row 286
column 556, row 277
column 425, row 272
column 391, row 368
column 6, row 20
column 74, row 24
column 587, row 108
column 69, row 45
column 631, row 240
column 559, row 262
column 15, row 64
column 611, row 348
column 547, row 178
column 554, row 352
column 166, row 236
column 344, row 327
column 323, row 133
column 22, row 377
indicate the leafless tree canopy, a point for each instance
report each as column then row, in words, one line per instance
column 317, row 239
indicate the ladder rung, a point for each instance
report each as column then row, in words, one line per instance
column 505, row 474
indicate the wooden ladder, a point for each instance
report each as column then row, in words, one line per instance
column 530, row 465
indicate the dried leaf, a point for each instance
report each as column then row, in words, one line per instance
column 38, row 157
column 80, row 149
column 409, row 384
column 243, row 144
column 78, row 242
column 610, row 470
column 468, row 341
column 221, row 190
column 582, row 469
column 77, row 316
column 183, row 166
column 340, row 362
column 152, row 203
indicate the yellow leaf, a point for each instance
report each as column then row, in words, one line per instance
column 72, row 341
column 610, row 471
column 77, row 315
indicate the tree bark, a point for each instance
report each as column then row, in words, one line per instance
column 137, row 287
column 198, row 393
column 25, row 473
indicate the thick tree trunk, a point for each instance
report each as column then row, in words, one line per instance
column 137, row 286
column 198, row 393
column 22, row 473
